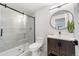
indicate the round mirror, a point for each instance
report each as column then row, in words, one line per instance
column 60, row 18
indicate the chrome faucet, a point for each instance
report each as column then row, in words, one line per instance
column 59, row 29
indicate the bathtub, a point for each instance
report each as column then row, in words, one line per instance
column 21, row 50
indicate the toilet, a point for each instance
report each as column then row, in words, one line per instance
column 35, row 47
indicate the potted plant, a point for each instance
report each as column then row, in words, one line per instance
column 70, row 26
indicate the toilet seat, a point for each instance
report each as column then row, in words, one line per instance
column 35, row 46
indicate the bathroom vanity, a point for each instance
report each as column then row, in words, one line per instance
column 59, row 46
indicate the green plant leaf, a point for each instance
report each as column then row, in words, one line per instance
column 70, row 26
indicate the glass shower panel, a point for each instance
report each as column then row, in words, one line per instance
column 1, row 41
column 30, row 30
column 17, row 29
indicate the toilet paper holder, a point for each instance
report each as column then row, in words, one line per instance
column 76, row 42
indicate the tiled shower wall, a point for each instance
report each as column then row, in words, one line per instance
column 17, row 29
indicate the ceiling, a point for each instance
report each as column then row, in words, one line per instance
column 29, row 7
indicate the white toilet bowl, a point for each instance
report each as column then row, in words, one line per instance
column 35, row 47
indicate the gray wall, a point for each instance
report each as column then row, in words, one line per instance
column 68, row 7
column 43, row 27
column 76, row 15
column 42, row 23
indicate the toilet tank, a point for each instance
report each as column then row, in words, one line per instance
column 40, row 40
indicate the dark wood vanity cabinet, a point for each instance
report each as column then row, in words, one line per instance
column 57, row 47
column 53, row 47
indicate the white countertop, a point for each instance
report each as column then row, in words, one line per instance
column 62, row 37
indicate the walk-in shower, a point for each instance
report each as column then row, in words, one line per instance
column 16, row 28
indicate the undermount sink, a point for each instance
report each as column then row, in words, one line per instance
column 62, row 37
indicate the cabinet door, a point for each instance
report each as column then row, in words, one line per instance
column 67, row 48
column 70, row 48
column 62, row 48
column 53, row 48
